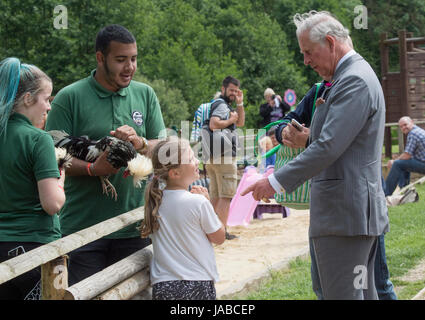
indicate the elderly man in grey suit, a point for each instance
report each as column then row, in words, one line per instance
column 343, row 160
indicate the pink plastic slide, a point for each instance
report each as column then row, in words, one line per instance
column 242, row 208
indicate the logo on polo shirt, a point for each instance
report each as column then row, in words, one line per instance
column 137, row 118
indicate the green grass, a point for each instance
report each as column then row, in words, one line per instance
column 405, row 248
column 405, row 243
column 293, row 283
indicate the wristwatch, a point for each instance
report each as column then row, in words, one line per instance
column 145, row 145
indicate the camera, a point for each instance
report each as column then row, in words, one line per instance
column 273, row 97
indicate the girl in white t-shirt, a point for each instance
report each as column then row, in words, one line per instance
column 182, row 226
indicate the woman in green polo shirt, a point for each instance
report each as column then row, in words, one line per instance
column 31, row 187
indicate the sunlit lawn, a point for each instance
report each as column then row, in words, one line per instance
column 405, row 248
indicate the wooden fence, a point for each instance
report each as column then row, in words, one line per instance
column 126, row 279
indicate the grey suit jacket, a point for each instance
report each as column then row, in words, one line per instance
column 343, row 159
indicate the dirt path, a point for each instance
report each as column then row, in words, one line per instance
column 263, row 244
column 415, row 274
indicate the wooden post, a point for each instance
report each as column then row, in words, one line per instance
column 400, row 136
column 383, row 47
column 388, row 143
column 54, row 279
column 384, row 70
column 403, row 73
column 410, row 44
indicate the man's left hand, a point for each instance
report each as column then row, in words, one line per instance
column 293, row 138
column 390, row 164
column 127, row 133
column 262, row 189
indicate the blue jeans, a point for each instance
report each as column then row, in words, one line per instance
column 384, row 286
column 400, row 174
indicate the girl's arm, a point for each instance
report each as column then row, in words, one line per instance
column 52, row 195
column 217, row 237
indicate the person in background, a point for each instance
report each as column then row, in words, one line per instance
column 267, row 143
column 220, row 161
column 274, row 109
column 411, row 160
column 182, row 226
column 107, row 102
column 31, row 185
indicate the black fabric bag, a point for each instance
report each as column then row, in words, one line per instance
column 225, row 138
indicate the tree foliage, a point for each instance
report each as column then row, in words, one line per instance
column 173, row 105
column 186, row 47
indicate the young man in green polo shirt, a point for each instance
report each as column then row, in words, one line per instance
column 107, row 102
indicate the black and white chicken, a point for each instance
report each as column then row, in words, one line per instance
column 121, row 154
column 63, row 158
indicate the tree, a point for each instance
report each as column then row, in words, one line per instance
column 192, row 45
column 186, row 53
column 257, row 44
column 173, row 105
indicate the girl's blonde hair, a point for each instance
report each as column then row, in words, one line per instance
column 167, row 155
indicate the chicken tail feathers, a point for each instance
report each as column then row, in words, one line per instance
column 60, row 138
column 139, row 167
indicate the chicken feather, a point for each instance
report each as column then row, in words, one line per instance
column 120, row 154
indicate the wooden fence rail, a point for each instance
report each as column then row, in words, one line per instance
column 50, row 256
column 99, row 285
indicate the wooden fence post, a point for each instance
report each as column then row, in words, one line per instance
column 54, row 279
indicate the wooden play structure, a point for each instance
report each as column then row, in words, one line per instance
column 404, row 90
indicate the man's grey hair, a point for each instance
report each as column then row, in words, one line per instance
column 320, row 24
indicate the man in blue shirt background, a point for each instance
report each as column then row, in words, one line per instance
column 411, row 160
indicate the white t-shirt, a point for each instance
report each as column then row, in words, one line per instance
column 181, row 249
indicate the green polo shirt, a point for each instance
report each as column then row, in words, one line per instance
column 27, row 155
column 86, row 108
